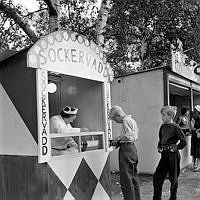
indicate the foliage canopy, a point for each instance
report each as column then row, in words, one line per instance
column 139, row 32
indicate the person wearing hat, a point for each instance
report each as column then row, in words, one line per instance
column 128, row 158
column 184, row 121
column 195, row 140
column 61, row 124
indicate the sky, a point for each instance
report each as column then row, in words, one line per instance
column 32, row 5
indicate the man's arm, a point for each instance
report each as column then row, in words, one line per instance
column 182, row 138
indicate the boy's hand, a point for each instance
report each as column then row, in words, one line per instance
column 115, row 142
column 160, row 150
column 174, row 149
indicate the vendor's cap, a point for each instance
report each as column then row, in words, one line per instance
column 197, row 107
column 70, row 110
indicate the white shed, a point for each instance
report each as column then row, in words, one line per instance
column 142, row 95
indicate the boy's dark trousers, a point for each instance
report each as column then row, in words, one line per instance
column 128, row 161
column 169, row 163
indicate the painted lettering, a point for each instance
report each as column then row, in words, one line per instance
column 94, row 64
column 59, row 54
column 43, row 84
column 52, row 55
column 67, row 55
column 88, row 60
column 44, row 123
column 44, row 150
column 81, row 55
column 73, row 55
column 43, row 59
column 100, row 68
column 105, row 72
column 44, row 138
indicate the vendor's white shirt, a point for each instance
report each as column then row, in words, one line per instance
column 129, row 129
column 58, row 125
column 62, row 145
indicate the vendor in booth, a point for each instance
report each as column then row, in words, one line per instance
column 61, row 124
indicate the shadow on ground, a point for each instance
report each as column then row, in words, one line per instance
column 189, row 186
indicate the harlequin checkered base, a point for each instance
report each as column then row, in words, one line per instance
column 21, row 177
column 86, row 177
column 80, row 177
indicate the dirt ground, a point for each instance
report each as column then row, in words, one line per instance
column 189, row 186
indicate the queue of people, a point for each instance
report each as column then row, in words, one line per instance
column 171, row 139
column 195, row 139
column 189, row 122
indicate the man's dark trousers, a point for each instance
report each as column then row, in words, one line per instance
column 128, row 161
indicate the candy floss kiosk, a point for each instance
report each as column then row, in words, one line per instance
column 63, row 68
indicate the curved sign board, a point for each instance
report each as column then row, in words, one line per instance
column 197, row 70
column 69, row 53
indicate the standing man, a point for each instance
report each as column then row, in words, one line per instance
column 128, row 158
column 195, row 140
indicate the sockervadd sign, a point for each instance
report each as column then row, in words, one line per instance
column 68, row 53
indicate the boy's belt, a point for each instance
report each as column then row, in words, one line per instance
column 167, row 147
column 124, row 142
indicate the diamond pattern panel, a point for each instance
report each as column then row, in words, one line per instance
column 100, row 193
column 15, row 137
column 19, row 83
column 96, row 161
column 65, row 168
column 105, row 178
column 83, row 188
column 68, row 196
column 56, row 189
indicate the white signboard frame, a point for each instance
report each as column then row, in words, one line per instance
column 70, row 53
column 44, row 141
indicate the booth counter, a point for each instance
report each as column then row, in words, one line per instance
column 81, row 78
column 143, row 94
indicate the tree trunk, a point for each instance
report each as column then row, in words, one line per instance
column 12, row 13
column 102, row 20
column 53, row 9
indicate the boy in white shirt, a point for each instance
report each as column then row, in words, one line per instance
column 128, row 158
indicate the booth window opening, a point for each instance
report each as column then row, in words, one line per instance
column 87, row 96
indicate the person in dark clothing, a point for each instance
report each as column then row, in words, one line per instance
column 171, row 139
column 128, row 158
column 184, row 121
column 195, row 141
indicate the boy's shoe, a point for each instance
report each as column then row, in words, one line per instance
column 173, row 197
column 196, row 169
column 193, row 167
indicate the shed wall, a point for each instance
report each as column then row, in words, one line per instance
column 141, row 95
